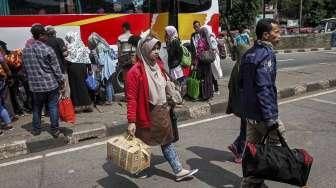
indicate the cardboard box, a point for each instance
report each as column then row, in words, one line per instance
column 130, row 154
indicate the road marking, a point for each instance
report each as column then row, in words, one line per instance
column 323, row 101
column 307, row 97
column 205, row 120
column 75, row 149
column 180, row 126
column 284, row 60
column 330, row 53
column 21, row 161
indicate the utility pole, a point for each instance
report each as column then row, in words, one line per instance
column 300, row 25
column 264, row 8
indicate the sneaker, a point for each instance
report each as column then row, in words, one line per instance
column 185, row 174
column 36, row 132
column 217, row 93
column 238, row 160
column 141, row 175
column 237, row 157
column 55, row 133
column 15, row 118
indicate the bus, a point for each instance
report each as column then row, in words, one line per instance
column 104, row 17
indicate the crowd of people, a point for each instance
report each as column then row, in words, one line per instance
column 51, row 67
column 252, row 88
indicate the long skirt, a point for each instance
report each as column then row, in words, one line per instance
column 79, row 92
column 206, row 78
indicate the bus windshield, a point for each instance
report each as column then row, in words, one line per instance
column 41, row 7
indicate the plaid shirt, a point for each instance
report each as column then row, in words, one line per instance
column 42, row 67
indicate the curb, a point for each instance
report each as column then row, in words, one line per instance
column 304, row 50
column 46, row 141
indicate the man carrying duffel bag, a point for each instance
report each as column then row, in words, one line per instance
column 258, row 90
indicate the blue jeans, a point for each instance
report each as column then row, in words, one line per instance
column 4, row 115
column 170, row 154
column 109, row 90
column 41, row 98
column 240, row 140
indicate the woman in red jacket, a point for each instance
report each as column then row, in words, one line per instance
column 147, row 109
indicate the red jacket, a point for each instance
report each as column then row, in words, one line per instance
column 138, row 96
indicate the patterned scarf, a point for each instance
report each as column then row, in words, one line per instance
column 78, row 52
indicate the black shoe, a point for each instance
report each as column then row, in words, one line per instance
column 8, row 127
column 36, row 132
column 55, row 133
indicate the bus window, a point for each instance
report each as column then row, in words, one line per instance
column 189, row 6
column 156, row 6
column 40, row 7
column 111, row 6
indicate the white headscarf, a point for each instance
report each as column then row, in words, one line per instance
column 78, row 52
column 171, row 32
column 156, row 81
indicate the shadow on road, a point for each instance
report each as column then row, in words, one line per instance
column 209, row 173
column 115, row 177
column 120, row 178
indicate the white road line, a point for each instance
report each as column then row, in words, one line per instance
column 205, row 120
column 284, row 60
column 307, row 97
column 21, row 161
column 330, row 53
column 75, row 149
column 324, row 101
column 180, row 126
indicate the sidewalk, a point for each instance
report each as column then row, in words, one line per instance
column 291, row 82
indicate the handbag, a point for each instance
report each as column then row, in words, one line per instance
column 277, row 163
column 91, row 82
column 186, row 57
column 173, row 93
column 193, row 86
column 207, row 56
column 66, row 110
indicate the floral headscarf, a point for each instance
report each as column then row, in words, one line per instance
column 98, row 42
column 171, row 32
column 206, row 33
column 77, row 51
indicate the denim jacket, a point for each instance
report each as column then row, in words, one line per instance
column 257, row 77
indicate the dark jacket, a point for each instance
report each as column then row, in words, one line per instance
column 58, row 45
column 234, row 105
column 175, row 53
column 257, row 83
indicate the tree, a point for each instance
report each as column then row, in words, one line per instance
column 241, row 13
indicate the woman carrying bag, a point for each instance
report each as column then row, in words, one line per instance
column 147, row 111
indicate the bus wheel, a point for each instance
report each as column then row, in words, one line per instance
column 118, row 81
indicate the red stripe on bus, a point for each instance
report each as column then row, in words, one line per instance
column 29, row 20
column 110, row 29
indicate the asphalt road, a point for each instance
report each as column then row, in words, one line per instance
column 292, row 60
column 310, row 121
